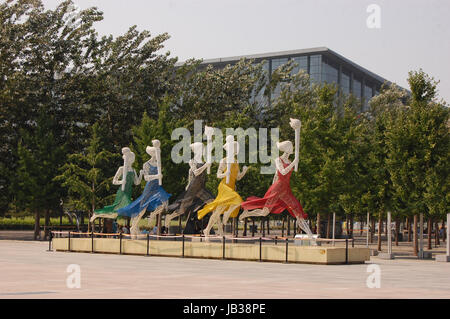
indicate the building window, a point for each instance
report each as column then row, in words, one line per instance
column 276, row 63
column 329, row 72
column 345, row 82
column 258, row 97
column 301, row 64
column 266, row 66
column 315, row 62
column 357, row 88
column 367, row 96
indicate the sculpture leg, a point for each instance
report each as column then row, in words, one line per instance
column 134, row 230
column 215, row 217
column 180, row 211
column 305, row 227
column 172, row 216
column 291, row 202
column 150, row 219
column 227, row 214
column 156, row 212
column 260, row 212
column 219, row 223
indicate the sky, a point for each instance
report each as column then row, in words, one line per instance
column 412, row 34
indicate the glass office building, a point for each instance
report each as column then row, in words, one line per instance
column 323, row 65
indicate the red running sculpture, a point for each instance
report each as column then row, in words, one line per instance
column 279, row 196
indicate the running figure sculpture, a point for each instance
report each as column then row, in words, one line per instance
column 123, row 195
column 279, row 196
column 195, row 194
column 228, row 200
column 154, row 198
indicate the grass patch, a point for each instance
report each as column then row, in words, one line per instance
column 27, row 222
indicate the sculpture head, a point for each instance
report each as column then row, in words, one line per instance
column 156, row 143
column 197, row 148
column 209, row 131
column 128, row 156
column 285, row 147
column 151, row 150
column 231, row 145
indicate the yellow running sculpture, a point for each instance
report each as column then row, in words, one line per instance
column 228, row 200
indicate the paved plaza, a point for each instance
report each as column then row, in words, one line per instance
column 29, row 271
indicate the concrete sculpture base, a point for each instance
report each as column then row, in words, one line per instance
column 215, row 250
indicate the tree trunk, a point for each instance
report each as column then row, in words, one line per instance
column 46, row 225
column 263, row 229
column 408, row 228
column 444, row 238
column 372, row 230
column 158, row 225
column 237, row 227
column 253, row 227
column 351, row 225
column 436, row 234
column 89, row 222
column 430, row 224
column 346, row 226
column 415, row 239
column 318, row 224
column 288, row 225
column 380, row 226
column 37, row 230
column 397, row 230
column 245, row 228
column 328, row 225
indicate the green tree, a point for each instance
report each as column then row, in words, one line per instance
column 39, row 155
column 45, row 46
column 378, row 195
column 417, row 142
column 87, row 175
